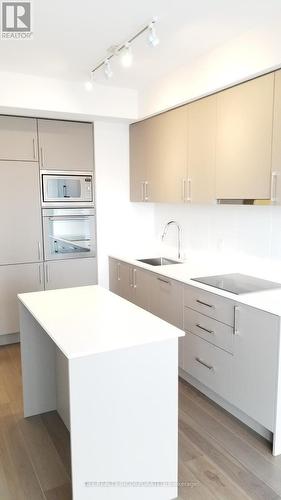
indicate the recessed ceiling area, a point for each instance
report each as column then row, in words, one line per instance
column 70, row 38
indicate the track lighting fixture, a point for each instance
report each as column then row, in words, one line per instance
column 152, row 38
column 127, row 55
column 125, row 50
column 107, row 69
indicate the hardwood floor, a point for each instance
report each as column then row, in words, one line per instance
column 219, row 458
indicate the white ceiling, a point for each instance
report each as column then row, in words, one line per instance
column 70, row 37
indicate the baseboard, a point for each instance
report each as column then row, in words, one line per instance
column 260, row 429
column 11, row 338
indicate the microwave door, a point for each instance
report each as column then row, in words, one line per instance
column 62, row 189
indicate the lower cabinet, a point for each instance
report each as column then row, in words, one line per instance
column 15, row 279
column 166, row 300
column 70, row 273
column 131, row 283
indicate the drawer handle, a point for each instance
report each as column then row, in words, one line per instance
column 205, row 329
column 204, row 303
column 164, row 281
column 210, row 367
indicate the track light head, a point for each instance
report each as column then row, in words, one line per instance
column 127, row 55
column 152, row 38
column 107, row 69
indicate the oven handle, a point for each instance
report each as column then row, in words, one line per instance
column 66, row 217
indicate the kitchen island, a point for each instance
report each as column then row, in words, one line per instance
column 111, row 371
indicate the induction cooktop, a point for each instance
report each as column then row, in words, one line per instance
column 237, row 283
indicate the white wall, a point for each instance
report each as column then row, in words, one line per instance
column 257, row 51
column 52, row 98
column 122, row 227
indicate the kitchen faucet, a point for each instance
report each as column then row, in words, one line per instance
column 179, row 234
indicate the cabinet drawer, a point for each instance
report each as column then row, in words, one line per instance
column 208, row 364
column 212, row 305
column 209, row 329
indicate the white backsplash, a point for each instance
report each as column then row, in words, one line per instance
column 226, row 238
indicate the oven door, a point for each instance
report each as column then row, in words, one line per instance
column 67, row 189
column 69, row 233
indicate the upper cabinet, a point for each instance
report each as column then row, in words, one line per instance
column 65, row 145
column 244, row 138
column 18, row 138
column 276, row 142
column 158, row 157
column 200, row 182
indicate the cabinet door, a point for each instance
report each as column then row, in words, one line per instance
column 139, row 155
column 167, row 149
column 255, row 364
column 201, row 150
column 167, row 300
column 18, row 138
column 276, row 141
column 141, row 288
column 244, row 135
column 65, row 145
column 70, row 273
column 20, row 213
column 14, row 280
column 121, row 279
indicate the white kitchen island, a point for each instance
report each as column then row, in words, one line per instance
column 111, row 371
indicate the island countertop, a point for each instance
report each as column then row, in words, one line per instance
column 90, row 320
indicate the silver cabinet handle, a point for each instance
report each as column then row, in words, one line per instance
column 135, row 278
column 131, row 277
column 235, row 327
column 146, row 196
column 41, row 157
column 142, row 191
column 273, row 195
column 205, row 329
column 118, row 272
column 205, row 303
column 47, row 273
column 184, row 189
column 164, row 281
column 39, row 250
column 40, row 274
column 34, row 150
column 210, row 367
column 189, row 189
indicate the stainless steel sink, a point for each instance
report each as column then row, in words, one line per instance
column 158, row 261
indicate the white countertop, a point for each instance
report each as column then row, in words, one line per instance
column 269, row 301
column 89, row 320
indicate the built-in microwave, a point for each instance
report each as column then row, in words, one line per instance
column 66, row 188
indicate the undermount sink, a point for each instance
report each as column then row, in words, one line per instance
column 159, row 261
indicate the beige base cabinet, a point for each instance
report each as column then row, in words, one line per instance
column 18, row 138
column 131, row 283
column 244, row 139
column 16, row 279
column 70, row 273
column 65, row 145
column 20, row 213
column 166, row 300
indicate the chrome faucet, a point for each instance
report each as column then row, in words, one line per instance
column 179, row 234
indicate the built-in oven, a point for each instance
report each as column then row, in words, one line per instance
column 69, row 233
column 64, row 189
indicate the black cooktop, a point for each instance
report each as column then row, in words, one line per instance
column 238, row 283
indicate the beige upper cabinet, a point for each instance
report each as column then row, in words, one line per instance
column 276, row 142
column 167, row 147
column 138, row 160
column 244, row 137
column 18, row 138
column 65, row 145
column 200, row 184
column 158, row 157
